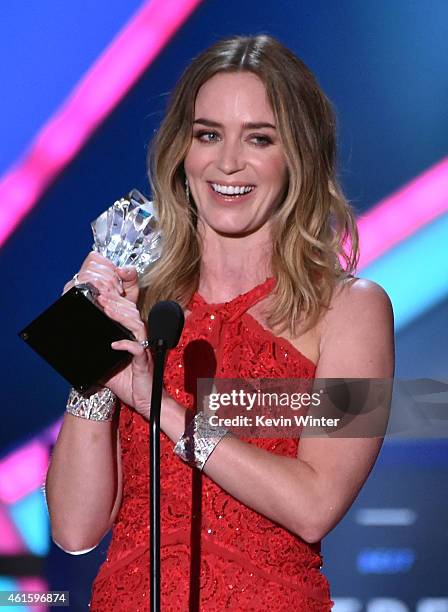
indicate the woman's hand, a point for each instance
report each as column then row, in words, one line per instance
column 133, row 384
column 104, row 276
column 118, row 294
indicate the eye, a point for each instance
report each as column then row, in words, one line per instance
column 261, row 140
column 206, row 136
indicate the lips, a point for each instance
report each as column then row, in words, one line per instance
column 232, row 199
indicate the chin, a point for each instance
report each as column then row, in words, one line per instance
column 230, row 231
column 233, row 233
column 235, row 227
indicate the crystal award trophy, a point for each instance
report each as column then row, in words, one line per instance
column 74, row 334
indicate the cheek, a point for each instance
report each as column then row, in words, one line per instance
column 275, row 171
column 195, row 160
column 190, row 160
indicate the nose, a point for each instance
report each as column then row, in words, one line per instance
column 230, row 157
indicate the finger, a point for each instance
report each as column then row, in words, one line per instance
column 68, row 286
column 140, row 357
column 135, row 348
column 129, row 278
column 95, row 262
column 128, row 275
column 130, row 319
column 102, row 279
column 119, row 304
column 99, row 272
column 94, row 257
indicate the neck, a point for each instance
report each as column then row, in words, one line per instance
column 233, row 265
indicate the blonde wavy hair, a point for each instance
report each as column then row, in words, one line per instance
column 314, row 234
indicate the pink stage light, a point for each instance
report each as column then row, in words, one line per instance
column 23, row 471
column 95, row 97
column 50, row 434
column 10, row 541
column 37, row 585
column 400, row 215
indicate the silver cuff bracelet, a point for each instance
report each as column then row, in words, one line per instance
column 98, row 406
column 199, row 441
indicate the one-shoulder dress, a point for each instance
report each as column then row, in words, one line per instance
column 216, row 553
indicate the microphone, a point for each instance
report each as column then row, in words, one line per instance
column 165, row 325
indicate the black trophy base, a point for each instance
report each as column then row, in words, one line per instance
column 74, row 336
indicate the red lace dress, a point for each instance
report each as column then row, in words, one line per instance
column 216, row 553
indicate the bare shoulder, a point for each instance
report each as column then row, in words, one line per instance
column 358, row 297
column 357, row 332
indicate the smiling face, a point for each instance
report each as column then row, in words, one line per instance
column 236, row 165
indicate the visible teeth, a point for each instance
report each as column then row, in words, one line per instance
column 228, row 190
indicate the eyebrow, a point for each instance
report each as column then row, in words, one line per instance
column 247, row 125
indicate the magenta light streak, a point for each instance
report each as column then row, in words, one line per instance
column 94, row 98
column 50, row 434
column 36, row 584
column 23, row 471
column 403, row 213
column 11, row 542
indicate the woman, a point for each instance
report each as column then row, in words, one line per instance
column 254, row 223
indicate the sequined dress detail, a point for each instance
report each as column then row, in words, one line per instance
column 216, row 553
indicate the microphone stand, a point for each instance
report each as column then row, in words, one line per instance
column 154, row 472
column 165, row 324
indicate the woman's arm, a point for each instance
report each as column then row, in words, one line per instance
column 83, row 486
column 310, row 494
